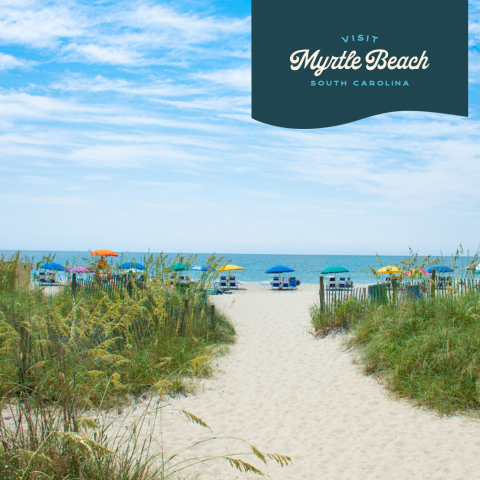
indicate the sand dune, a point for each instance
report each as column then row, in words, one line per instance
column 287, row 392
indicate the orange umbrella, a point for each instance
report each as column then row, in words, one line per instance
column 105, row 253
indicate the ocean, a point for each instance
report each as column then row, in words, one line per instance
column 307, row 267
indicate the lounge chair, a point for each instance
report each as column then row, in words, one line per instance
column 285, row 284
column 276, row 283
column 342, row 283
column 232, row 283
column 292, row 282
column 42, row 277
column 331, row 283
column 223, row 284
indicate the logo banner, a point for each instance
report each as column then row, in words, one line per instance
column 318, row 64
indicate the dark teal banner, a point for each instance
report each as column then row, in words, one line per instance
column 318, row 64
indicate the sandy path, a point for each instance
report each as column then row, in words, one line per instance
column 289, row 393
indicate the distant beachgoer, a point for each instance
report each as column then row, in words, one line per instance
column 298, row 282
column 349, row 283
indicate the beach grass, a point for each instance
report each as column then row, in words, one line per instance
column 426, row 350
column 106, row 345
column 68, row 359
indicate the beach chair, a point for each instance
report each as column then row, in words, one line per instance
column 342, row 283
column 285, row 284
column 292, row 283
column 331, row 283
column 41, row 277
column 276, row 283
column 232, row 283
column 223, row 284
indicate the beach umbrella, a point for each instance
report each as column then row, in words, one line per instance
column 335, row 269
column 440, row 269
column 103, row 268
column 104, row 253
column 389, row 269
column 229, row 268
column 201, row 268
column 79, row 269
column 179, row 267
column 475, row 266
column 416, row 272
column 132, row 265
column 53, row 266
column 279, row 269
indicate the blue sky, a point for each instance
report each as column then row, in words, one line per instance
column 126, row 125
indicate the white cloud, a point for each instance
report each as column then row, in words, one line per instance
column 38, row 25
column 8, row 62
column 238, row 78
column 99, row 83
column 129, row 35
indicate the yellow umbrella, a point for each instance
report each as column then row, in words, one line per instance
column 229, row 268
column 390, row 269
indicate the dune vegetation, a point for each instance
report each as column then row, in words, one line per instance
column 425, row 348
column 68, row 357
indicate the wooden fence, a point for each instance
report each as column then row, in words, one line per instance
column 349, row 303
column 114, row 283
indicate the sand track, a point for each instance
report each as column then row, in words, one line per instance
column 289, row 393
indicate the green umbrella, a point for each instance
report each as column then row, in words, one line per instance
column 179, row 267
column 335, row 269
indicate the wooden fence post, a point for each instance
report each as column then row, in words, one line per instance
column 322, row 294
column 212, row 316
column 394, row 290
column 433, row 284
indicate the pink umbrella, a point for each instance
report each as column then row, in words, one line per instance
column 416, row 272
column 79, row 269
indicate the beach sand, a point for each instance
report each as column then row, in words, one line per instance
column 290, row 393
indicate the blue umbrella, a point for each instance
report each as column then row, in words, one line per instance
column 201, row 268
column 52, row 266
column 279, row 269
column 440, row 269
column 138, row 266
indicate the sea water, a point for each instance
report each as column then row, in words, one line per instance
column 307, row 267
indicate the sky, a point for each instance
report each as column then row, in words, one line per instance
column 126, row 125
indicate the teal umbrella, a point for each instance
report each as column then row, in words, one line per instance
column 179, row 267
column 335, row 269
